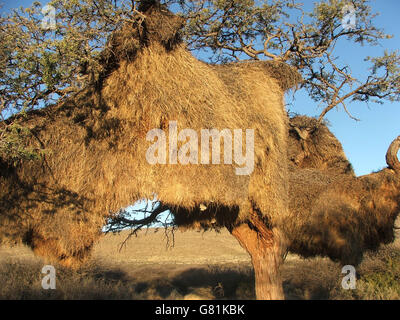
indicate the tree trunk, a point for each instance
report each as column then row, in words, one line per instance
column 266, row 248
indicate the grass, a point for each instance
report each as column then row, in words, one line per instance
column 134, row 273
column 379, row 279
column 23, row 281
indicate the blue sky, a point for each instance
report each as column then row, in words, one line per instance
column 365, row 142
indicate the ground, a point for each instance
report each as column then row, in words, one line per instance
column 199, row 265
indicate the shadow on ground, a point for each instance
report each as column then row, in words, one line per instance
column 378, row 278
column 23, row 281
column 205, row 283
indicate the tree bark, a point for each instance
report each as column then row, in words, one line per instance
column 266, row 249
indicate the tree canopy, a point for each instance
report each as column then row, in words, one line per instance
column 48, row 53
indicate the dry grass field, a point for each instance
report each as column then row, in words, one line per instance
column 198, row 266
